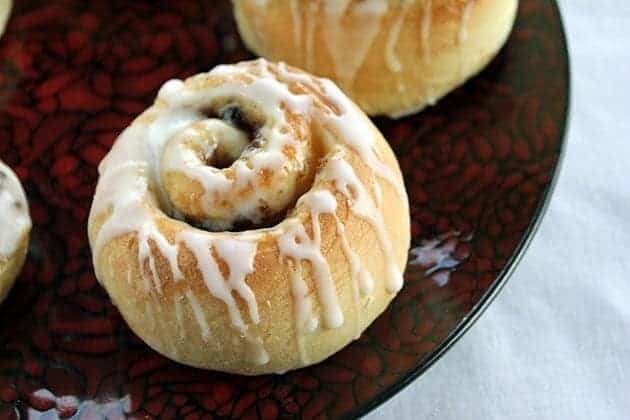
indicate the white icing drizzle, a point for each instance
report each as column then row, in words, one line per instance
column 350, row 129
column 378, row 192
column 294, row 243
column 200, row 245
column 462, row 34
column 361, row 277
column 360, row 138
column 208, row 135
column 14, row 217
column 256, row 349
column 311, row 23
column 239, row 256
column 199, row 315
column 144, row 253
column 275, row 195
column 297, row 25
column 131, row 195
column 147, row 235
column 324, row 202
column 362, row 205
column 358, row 274
column 305, row 320
column 349, row 49
column 391, row 59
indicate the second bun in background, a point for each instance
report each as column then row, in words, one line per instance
column 392, row 57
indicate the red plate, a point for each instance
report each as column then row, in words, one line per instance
column 479, row 168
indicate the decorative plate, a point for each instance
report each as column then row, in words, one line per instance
column 479, row 169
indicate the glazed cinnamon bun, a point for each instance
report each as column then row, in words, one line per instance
column 393, row 57
column 252, row 220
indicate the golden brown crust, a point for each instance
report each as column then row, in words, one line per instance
column 169, row 321
column 270, row 282
column 419, row 53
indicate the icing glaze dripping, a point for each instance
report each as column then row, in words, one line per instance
column 362, row 205
column 324, row 202
column 357, row 274
column 199, row 315
column 239, row 257
column 378, row 192
column 150, row 234
column 144, row 254
column 349, row 49
column 462, row 34
column 131, row 193
column 238, row 192
column 256, row 350
column 297, row 25
column 294, row 243
column 391, row 58
column 305, row 320
column 200, row 245
column 311, row 22
column 360, row 138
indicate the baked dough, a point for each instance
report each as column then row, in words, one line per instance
column 393, row 57
column 253, row 220
column 15, row 225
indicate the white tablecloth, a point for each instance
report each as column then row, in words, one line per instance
column 555, row 344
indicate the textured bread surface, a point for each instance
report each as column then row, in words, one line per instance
column 184, row 316
column 391, row 57
column 15, row 227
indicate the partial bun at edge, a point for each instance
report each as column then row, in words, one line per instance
column 15, row 226
column 391, row 57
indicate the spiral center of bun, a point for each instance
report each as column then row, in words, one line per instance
column 240, row 167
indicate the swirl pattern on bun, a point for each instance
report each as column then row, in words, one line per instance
column 252, row 220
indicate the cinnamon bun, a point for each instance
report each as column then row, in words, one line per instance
column 252, row 220
column 15, row 225
column 393, row 57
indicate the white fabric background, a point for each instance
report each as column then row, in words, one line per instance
column 555, row 344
